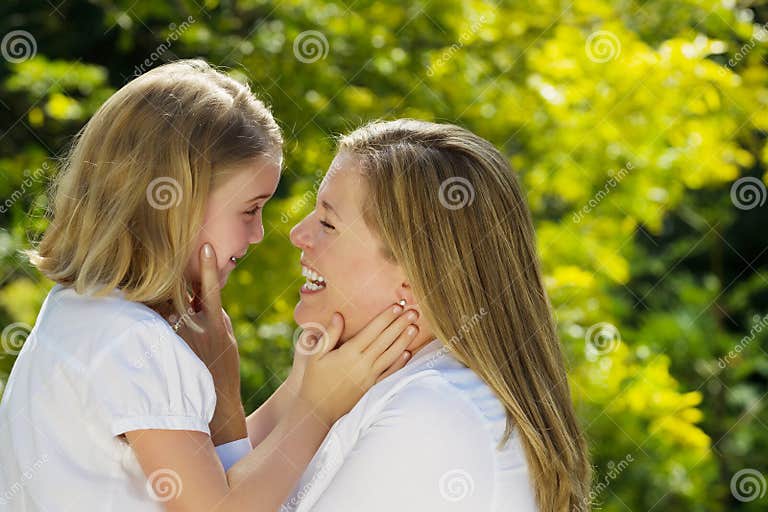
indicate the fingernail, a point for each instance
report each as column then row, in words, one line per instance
column 412, row 316
column 406, row 355
column 207, row 251
column 411, row 331
column 397, row 309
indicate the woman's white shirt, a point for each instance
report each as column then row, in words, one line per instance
column 424, row 439
column 90, row 370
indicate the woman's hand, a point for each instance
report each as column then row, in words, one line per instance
column 336, row 378
column 216, row 346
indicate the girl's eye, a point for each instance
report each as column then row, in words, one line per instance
column 326, row 225
column 254, row 211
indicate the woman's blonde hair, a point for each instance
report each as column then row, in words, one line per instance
column 450, row 212
column 130, row 199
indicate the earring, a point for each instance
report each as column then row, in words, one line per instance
column 402, row 302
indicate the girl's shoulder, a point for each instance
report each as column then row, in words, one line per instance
column 111, row 311
column 83, row 328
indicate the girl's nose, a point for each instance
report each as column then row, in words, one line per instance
column 300, row 235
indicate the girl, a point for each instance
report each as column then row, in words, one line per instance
column 160, row 197
column 480, row 418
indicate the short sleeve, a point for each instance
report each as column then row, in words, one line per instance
column 149, row 378
column 422, row 452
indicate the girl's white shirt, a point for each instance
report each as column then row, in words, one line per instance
column 423, row 439
column 90, row 370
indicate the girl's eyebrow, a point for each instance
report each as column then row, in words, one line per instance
column 328, row 206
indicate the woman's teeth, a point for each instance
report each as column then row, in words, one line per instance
column 314, row 280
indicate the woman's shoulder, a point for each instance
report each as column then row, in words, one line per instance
column 435, row 387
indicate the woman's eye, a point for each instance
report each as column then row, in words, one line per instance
column 253, row 211
column 326, row 225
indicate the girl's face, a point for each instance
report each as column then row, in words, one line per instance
column 337, row 245
column 232, row 219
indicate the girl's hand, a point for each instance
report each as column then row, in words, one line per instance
column 216, row 346
column 335, row 379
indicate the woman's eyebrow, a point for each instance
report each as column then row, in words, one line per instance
column 328, row 206
column 262, row 196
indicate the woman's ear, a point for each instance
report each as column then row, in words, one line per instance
column 425, row 335
column 405, row 292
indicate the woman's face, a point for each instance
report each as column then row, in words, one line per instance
column 232, row 219
column 337, row 245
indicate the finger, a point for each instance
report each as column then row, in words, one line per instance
column 209, row 282
column 395, row 351
column 397, row 365
column 390, row 334
column 375, row 327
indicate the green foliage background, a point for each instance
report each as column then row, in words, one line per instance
column 628, row 146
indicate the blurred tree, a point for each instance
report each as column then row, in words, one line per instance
column 635, row 127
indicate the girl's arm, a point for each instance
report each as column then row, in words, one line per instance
column 185, row 474
column 182, row 467
column 263, row 420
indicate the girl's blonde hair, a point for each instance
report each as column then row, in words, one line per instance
column 450, row 212
column 130, row 199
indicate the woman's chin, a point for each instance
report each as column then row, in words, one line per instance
column 303, row 315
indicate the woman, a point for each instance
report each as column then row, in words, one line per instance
column 480, row 418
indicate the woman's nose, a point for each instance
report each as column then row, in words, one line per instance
column 300, row 236
column 257, row 233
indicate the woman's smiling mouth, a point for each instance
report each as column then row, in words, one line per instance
column 314, row 283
